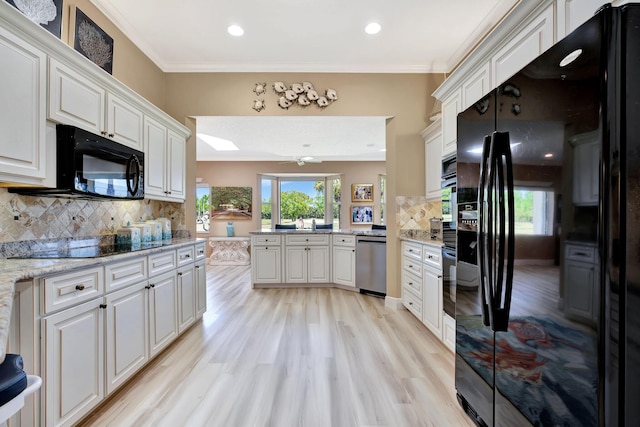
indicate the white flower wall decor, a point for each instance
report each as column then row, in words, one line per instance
column 302, row 94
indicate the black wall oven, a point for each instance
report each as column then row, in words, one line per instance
column 449, row 226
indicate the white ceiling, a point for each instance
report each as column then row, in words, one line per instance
column 305, row 35
column 417, row 36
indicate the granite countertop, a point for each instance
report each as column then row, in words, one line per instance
column 13, row 270
column 419, row 236
column 382, row 233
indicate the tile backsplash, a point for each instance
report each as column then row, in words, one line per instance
column 33, row 218
column 414, row 213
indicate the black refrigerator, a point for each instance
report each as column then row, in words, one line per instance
column 548, row 260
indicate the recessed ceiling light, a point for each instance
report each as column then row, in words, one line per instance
column 235, row 30
column 218, row 144
column 548, row 155
column 372, row 28
column 570, row 58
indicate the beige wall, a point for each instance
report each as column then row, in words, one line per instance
column 130, row 65
column 404, row 98
column 245, row 174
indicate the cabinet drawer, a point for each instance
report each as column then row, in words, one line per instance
column 201, row 250
column 344, row 240
column 432, row 256
column 412, row 303
column 412, row 250
column 162, row 262
column 125, row 273
column 581, row 253
column 72, row 288
column 412, row 283
column 411, row 265
column 186, row 255
column 307, row 239
column 266, row 240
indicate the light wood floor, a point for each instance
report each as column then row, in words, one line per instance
column 292, row 357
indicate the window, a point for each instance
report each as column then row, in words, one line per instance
column 300, row 200
column 533, row 211
column 203, row 203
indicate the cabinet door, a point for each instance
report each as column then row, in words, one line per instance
column 186, row 298
column 155, row 143
column 176, row 166
column 23, row 71
column 127, row 332
column 433, row 166
column 124, row 122
column 573, row 13
column 344, row 265
column 476, row 86
column 523, row 48
column 432, row 301
column 74, row 99
column 450, row 109
column 201, row 288
column 74, row 362
column 318, row 264
column 296, row 264
column 579, row 279
column 586, row 179
column 449, row 331
column 266, row 266
column 163, row 311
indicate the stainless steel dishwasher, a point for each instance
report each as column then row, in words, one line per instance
column 371, row 265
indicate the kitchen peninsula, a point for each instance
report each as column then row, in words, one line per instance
column 306, row 258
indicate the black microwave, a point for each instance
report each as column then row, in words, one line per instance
column 91, row 166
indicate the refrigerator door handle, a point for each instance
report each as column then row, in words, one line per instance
column 502, row 163
column 482, row 225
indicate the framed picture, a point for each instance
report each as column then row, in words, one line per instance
column 231, row 203
column 362, row 192
column 361, row 214
column 91, row 41
column 48, row 14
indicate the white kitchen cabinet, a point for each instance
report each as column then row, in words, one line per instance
column 586, row 167
column 186, row 297
column 75, row 99
column 523, row 47
column 127, row 331
column 23, row 84
column 163, row 311
column 307, row 258
column 581, row 278
column 344, row 260
column 201, row 287
column 449, row 331
column 432, row 290
column 266, row 259
column 476, row 86
column 573, row 13
column 73, row 362
column 450, row 109
column 165, row 162
column 432, row 136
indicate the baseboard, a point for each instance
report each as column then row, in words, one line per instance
column 393, row 303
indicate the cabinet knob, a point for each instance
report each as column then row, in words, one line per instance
column 111, row 135
column 197, row 267
column 353, row 250
column 179, row 274
column 103, row 305
column 410, row 303
column 152, row 285
column 147, row 287
column 80, row 287
column 104, row 132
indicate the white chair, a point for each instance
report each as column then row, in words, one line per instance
column 12, row 407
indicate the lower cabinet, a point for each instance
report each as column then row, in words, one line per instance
column 344, row 260
column 74, row 368
column 581, row 278
column 432, row 301
column 186, row 297
column 201, row 287
column 307, row 259
column 449, row 331
column 127, row 331
column 163, row 311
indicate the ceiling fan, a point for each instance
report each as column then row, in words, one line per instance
column 302, row 160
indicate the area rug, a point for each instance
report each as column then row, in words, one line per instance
column 547, row 370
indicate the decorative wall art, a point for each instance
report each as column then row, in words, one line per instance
column 302, row 94
column 91, row 41
column 362, row 192
column 361, row 214
column 47, row 13
column 231, row 203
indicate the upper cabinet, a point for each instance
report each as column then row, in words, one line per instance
column 450, row 109
column 23, row 150
column 43, row 81
column 476, row 86
column 433, row 160
column 573, row 13
column 165, row 153
column 78, row 100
